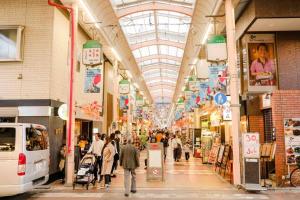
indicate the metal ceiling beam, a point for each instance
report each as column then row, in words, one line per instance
column 153, row 5
column 179, row 36
column 145, row 1
column 159, row 77
column 157, row 42
column 159, row 56
column 158, row 66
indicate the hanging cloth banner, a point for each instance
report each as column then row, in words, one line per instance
column 204, row 92
column 92, row 53
column 217, row 78
column 124, row 102
column 124, row 87
column 93, row 80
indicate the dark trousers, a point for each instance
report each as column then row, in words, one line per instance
column 187, row 155
column 98, row 166
column 175, row 154
column 107, row 179
column 114, row 166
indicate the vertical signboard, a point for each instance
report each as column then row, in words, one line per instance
column 251, row 154
column 155, row 169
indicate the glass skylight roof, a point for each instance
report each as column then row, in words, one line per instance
column 156, row 38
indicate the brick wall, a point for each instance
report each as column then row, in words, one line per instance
column 256, row 124
column 288, row 50
column 285, row 104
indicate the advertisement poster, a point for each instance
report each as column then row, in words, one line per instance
column 124, row 102
column 93, row 80
column 292, row 140
column 217, row 79
column 203, row 92
column 262, row 73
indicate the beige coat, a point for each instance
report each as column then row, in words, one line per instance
column 108, row 159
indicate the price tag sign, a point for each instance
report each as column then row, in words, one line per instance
column 251, row 145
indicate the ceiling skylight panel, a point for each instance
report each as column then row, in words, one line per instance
column 136, row 53
column 172, row 51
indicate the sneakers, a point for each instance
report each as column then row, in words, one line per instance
column 107, row 187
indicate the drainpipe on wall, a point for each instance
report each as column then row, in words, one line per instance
column 71, row 107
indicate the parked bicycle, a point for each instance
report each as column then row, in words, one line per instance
column 295, row 175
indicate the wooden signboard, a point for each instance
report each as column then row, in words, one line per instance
column 212, row 158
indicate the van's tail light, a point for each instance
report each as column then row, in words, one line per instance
column 21, row 164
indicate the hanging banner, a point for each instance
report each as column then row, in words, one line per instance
column 124, row 87
column 92, row 53
column 124, row 102
column 204, row 92
column 93, row 80
column 262, row 73
column 187, row 94
column 217, row 78
column 193, row 84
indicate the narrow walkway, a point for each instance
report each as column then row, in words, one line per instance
column 184, row 175
column 186, row 180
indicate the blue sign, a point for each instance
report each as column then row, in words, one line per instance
column 220, row 98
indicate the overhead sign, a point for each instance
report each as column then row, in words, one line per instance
column 124, row 87
column 227, row 114
column 216, row 48
column 220, row 98
column 91, row 53
column 63, row 111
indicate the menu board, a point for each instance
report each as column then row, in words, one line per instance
column 212, row 158
column 292, row 140
column 220, row 154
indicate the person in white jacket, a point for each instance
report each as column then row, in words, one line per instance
column 176, row 146
column 96, row 149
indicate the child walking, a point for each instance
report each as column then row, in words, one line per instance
column 186, row 149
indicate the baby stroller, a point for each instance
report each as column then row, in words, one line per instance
column 85, row 173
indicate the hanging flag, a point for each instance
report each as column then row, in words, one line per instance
column 124, row 102
column 217, row 79
column 93, row 80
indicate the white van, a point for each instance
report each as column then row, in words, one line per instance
column 24, row 157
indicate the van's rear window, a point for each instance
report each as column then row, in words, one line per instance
column 7, row 139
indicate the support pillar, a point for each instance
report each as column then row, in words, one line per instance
column 71, row 102
column 234, row 90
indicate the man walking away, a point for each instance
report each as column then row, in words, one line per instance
column 96, row 149
column 165, row 142
column 129, row 160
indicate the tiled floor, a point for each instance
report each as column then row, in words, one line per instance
column 183, row 181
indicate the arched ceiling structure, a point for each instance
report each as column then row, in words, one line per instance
column 156, row 31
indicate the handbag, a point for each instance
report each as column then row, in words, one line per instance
column 116, row 156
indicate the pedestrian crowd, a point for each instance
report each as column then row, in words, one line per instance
column 124, row 150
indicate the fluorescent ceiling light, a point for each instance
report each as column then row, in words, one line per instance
column 195, row 61
column 117, row 56
column 129, row 74
column 88, row 12
column 136, row 86
column 208, row 30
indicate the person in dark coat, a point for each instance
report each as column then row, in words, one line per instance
column 129, row 160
